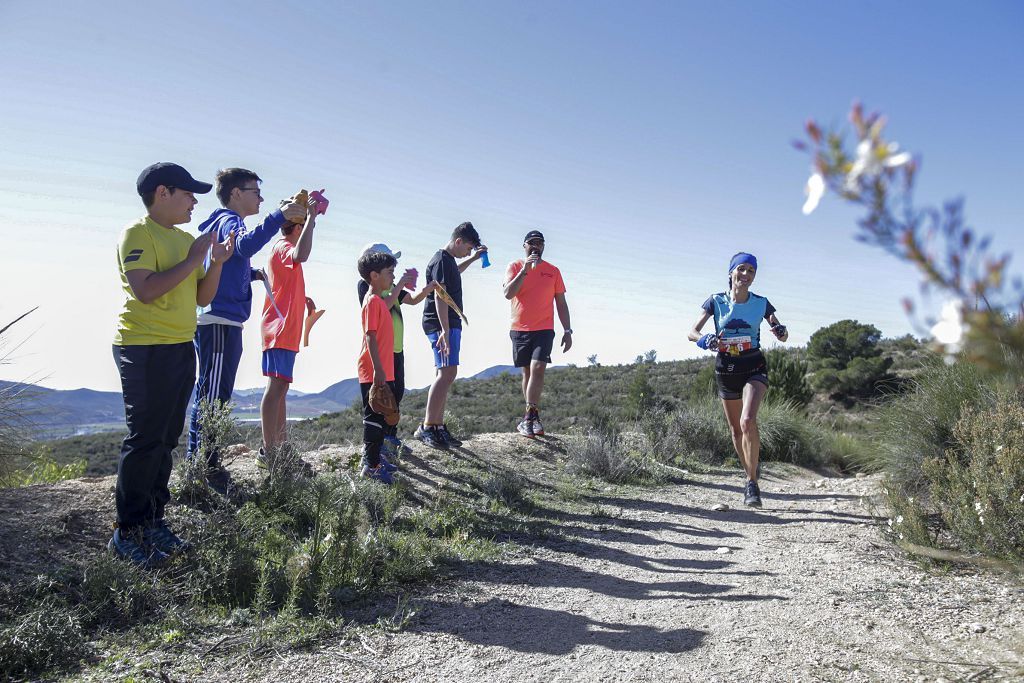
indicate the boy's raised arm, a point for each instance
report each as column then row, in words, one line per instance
column 300, row 252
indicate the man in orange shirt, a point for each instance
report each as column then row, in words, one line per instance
column 532, row 285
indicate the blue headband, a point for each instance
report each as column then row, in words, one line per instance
column 741, row 258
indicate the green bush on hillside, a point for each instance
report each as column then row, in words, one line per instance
column 788, row 376
column 845, row 360
column 978, row 485
column 918, row 425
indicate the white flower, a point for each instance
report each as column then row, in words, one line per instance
column 949, row 331
column 814, row 190
column 894, row 158
column 899, row 519
column 872, row 159
column 865, row 163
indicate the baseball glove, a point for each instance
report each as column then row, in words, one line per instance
column 383, row 402
column 296, row 215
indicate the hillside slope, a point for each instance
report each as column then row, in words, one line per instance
column 626, row 583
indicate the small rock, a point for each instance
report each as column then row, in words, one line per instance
column 977, row 628
column 720, row 507
column 818, row 484
column 860, row 475
column 723, row 551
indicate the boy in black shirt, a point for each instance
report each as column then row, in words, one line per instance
column 443, row 328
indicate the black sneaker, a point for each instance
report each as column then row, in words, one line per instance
column 431, row 437
column 219, row 479
column 163, row 539
column 133, row 548
column 752, row 495
column 447, row 436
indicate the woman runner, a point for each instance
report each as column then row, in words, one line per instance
column 740, row 370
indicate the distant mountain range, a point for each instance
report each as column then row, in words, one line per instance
column 54, row 413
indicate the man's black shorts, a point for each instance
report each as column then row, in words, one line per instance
column 529, row 346
column 732, row 373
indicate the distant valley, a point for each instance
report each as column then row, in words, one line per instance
column 56, row 413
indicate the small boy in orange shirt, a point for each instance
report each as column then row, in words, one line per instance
column 377, row 358
column 283, row 315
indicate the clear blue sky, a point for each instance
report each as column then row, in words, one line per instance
column 649, row 141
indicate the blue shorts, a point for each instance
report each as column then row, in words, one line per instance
column 454, row 344
column 279, row 363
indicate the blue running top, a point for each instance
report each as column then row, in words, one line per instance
column 738, row 325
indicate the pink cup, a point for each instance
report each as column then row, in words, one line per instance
column 321, row 201
column 415, row 275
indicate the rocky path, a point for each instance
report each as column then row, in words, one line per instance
column 663, row 587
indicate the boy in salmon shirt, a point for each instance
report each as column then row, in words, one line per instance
column 283, row 315
column 533, row 285
column 376, row 358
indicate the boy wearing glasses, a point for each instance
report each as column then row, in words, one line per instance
column 218, row 338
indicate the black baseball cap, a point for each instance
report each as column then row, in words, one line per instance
column 534, row 235
column 170, row 175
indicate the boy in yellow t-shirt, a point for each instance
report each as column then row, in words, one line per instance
column 163, row 278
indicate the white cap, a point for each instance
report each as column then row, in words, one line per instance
column 383, row 248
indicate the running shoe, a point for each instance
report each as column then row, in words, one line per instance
column 431, row 437
column 447, row 436
column 538, row 428
column 752, row 495
column 377, row 473
column 131, row 547
column 526, row 428
column 160, row 536
column 261, row 459
column 384, row 462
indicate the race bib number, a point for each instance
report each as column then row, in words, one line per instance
column 733, row 346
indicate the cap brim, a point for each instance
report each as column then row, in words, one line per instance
column 197, row 187
column 397, row 254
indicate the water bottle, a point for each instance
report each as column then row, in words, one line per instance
column 484, row 261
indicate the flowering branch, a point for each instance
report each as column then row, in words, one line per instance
column 984, row 311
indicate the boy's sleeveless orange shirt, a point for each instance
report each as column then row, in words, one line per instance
column 289, row 287
column 533, row 306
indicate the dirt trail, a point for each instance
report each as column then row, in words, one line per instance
column 653, row 585
column 662, row 587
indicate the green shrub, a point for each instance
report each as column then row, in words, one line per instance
column 918, row 425
column 504, row 487
column 703, row 386
column 697, row 431
column 978, row 485
column 40, row 468
column 47, row 635
column 604, row 455
column 845, row 360
column 788, row 375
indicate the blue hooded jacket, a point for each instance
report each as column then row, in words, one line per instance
column 233, row 300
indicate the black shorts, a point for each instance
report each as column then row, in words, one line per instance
column 530, row 346
column 732, row 373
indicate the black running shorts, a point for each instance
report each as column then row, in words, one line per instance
column 530, row 346
column 732, row 373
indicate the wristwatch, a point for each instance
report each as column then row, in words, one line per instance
column 568, row 330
